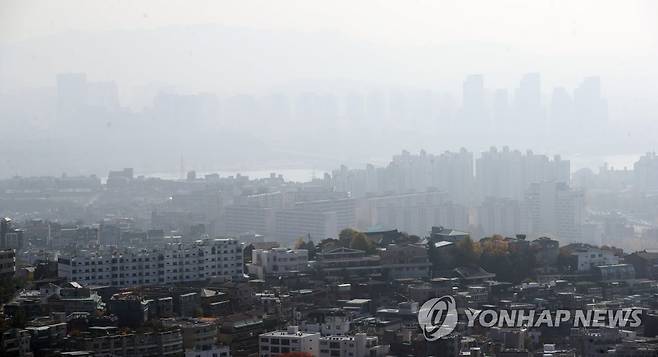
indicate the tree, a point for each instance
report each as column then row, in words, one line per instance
column 406, row 238
column 513, row 265
column 468, row 253
column 8, row 289
column 361, row 242
column 310, row 247
column 495, row 245
column 328, row 244
column 346, row 236
column 301, row 243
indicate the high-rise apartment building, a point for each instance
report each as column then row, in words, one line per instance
column 554, row 209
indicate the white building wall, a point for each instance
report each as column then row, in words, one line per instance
column 277, row 261
column 594, row 257
column 292, row 340
column 216, row 258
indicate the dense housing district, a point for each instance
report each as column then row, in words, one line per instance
column 340, row 265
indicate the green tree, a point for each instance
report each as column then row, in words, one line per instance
column 361, row 242
column 301, row 243
column 346, row 236
column 310, row 247
column 328, row 244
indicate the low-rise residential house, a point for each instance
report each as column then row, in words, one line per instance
column 209, row 351
column 588, row 257
column 348, row 262
column 614, row 272
column 645, row 263
column 291, row 340
column 405, row 261
column 7, row 263
column 359, row 345
column 278, row 262
column 156, row 343
column 546, row 252
column 15, row 342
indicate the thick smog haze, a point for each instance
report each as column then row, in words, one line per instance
column 546, row 36
column 330, row 178
column 266, row 64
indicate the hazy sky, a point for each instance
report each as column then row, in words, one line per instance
column 233, row 47
column 550, row 27
column 588, row 37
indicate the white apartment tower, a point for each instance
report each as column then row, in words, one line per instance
column 554, row 209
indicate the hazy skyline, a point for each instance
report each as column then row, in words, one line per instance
column 261, row 48
column 416, row 43
column 295, row 177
